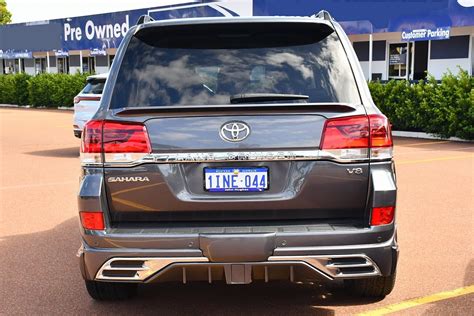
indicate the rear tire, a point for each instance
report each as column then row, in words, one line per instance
column 110, row 291
column 376, row 287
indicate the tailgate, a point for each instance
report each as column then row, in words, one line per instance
column 172, row 187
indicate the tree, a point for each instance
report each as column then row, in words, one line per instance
column 5, row 15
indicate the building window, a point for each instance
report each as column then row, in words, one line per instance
column 397, row 60
column 40, row 65
column 111, row 59
column 88, row 64
column 63, row 65
column 455, row 47
column 378, row 50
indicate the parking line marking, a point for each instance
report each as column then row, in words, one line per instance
column 426, row 143
column 420, row 301
column 433, row 159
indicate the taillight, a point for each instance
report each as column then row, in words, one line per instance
column 92, row 220
column 382, row 215
column 78, row 99
column 381, row 145
column 118, row 141
column 125, row 138
column 350, row 132
column 351, row 137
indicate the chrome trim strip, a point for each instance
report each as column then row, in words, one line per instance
column 235, row 156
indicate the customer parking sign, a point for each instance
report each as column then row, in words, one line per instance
column 439, row 33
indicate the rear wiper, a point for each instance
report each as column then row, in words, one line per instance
column 262, row 97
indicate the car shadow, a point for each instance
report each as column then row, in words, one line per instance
column 70, row 152
column 455, row 305
column 40, row 275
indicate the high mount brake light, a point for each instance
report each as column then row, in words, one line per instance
column 354, row 137
column 118, row 141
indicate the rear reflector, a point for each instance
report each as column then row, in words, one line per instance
column 118, row 141
column 382, row 215
column 92, row 220
column 352, row 137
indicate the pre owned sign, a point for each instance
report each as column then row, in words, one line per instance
column 92, row 31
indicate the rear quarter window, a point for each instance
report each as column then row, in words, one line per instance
column 94, row 86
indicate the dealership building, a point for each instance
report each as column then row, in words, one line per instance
column 393, row 39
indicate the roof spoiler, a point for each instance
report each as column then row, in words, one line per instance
column 323, row 14
column 144, row 19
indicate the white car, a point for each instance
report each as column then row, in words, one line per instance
column 87, row 102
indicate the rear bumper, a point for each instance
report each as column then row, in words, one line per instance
column 241, row 258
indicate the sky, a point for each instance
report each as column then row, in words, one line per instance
column 38, row 10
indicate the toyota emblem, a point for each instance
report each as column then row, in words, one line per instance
column 234, row 131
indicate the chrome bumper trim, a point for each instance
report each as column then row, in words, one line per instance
column 333, row 267
column 148, row 267
column 329, row 266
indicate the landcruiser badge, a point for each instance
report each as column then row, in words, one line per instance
column 128, row 179
column 234, row 131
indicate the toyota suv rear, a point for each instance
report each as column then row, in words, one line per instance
column 237, row 150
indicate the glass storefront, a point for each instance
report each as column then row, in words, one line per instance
column 398, row 61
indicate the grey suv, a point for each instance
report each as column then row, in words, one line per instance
column 237, row 150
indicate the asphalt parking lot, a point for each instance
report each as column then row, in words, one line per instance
column 39, row 236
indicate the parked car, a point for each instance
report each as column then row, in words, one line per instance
column 87, row 102
column 237, row 149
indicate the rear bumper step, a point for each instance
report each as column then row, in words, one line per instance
column 148, row 269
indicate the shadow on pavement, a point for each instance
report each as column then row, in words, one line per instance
column 40, row 275
column 460, row 305
column 71, row 152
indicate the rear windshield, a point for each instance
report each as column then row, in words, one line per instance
column 94, row 86
column 208, row 67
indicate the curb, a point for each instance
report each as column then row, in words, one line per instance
column 422, row 135
column 14, row 106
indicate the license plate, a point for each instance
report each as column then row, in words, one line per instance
column 236, row 179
